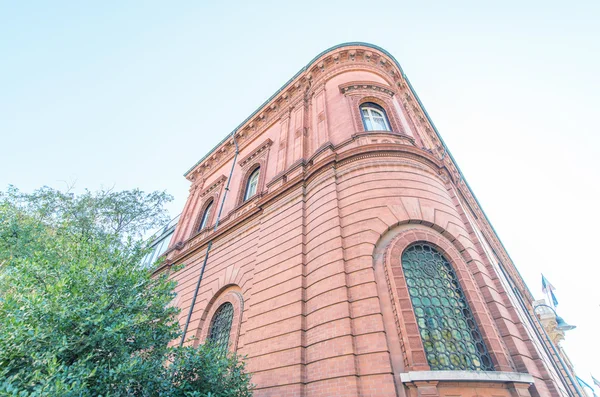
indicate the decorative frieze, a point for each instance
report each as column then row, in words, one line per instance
column 366, row 85
column 213, row 186
column 255, row 153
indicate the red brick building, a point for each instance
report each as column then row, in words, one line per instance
column 351, row 257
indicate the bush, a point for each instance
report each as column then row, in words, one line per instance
column 80, row 317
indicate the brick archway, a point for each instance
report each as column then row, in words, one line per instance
column 233, row 295
column 412, row 345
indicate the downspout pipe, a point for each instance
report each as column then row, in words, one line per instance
column 210, row 242
column 412, row 90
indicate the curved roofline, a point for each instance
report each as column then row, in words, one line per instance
column 375, row 47
column 304, row 69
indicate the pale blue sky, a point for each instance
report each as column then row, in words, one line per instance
column 132, row 94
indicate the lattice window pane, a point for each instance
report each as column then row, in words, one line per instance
column 220, row 328
column 448, row 329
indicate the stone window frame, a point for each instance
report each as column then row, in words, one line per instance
column 250, row 181
column 210, row 193
column 406, row 320
column 373, row 107
column 360, row 92
column 483, row 356
column 212, row 199
column 219, row 329
column 256, row 159
column 233, row 295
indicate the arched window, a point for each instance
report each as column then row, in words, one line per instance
column 220, row 327
column 374, row 117
column 448, row 329
column 206, row 216
column 252, row 184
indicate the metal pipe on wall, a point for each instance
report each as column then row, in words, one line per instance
column 210, row 242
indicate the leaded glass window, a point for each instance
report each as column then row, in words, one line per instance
column 448, row 329
column 220, row 328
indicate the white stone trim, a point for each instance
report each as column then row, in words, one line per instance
column 465, row 376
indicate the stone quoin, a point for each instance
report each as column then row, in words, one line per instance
column 351, row 258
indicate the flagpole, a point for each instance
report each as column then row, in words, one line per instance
column 556, row 352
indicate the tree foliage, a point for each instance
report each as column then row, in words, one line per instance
column 80, row 317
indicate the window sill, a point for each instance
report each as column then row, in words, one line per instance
column 465, row 376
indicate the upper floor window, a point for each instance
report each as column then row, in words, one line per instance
column 220, row 327
column 374, row 117
column 206, row 216
column 450, row 335
column 252, row 184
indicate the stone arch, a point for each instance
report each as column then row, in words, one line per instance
column 230, row 293
column 399, row 316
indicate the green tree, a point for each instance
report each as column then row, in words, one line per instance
column 80, row 317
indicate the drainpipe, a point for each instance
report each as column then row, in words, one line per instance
column 210, row 242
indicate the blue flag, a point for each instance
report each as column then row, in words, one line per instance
column 554, row 300
column 546, row 286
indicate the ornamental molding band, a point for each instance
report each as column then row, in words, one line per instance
column 466, row 376
column 260, row 149
column 349, row 88
column 309, row 76
column 213, row 186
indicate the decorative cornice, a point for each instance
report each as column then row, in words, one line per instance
column 213, row 185
column 300, row 173
column 343, row 56
column 348, row 88
column 260, row 149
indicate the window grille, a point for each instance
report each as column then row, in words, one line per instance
column 448, row 329
column 220, row 328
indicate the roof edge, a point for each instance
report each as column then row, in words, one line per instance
column 304, row 69
column 375, row 47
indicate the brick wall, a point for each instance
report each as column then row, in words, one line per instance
column 312, row 262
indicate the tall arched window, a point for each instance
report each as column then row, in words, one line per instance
column 206, row 216
column 448, row 329
column 252, row 184
column 374, row 117
column 220, row 327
